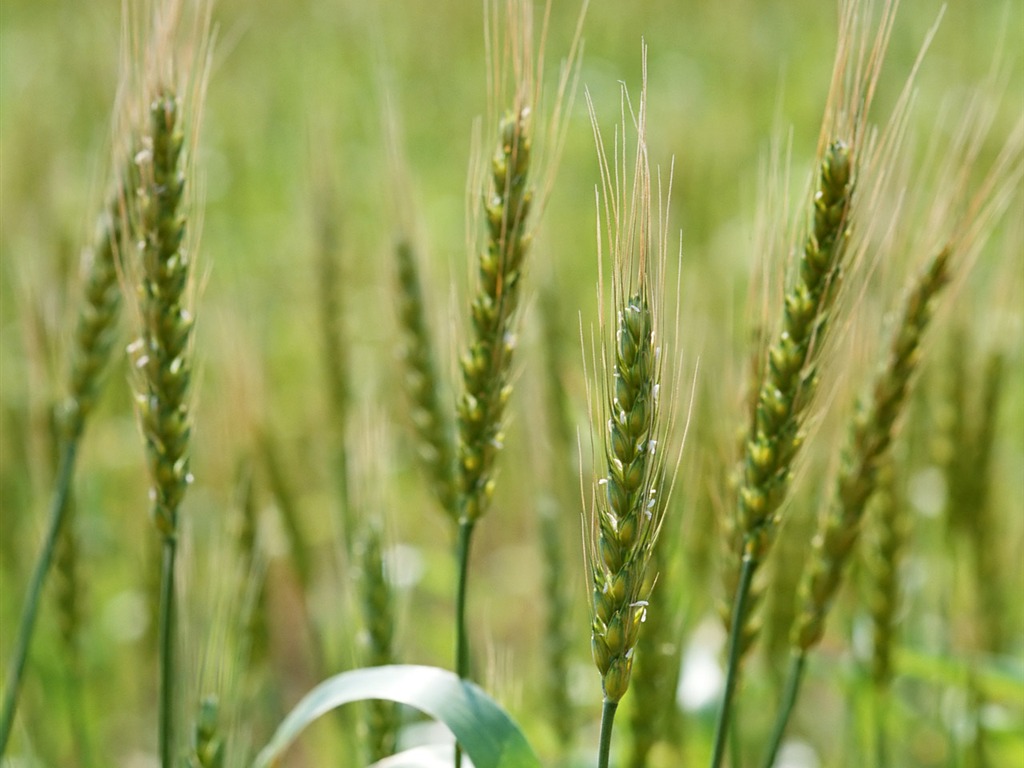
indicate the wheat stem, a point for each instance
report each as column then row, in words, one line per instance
column 462, row 547
column 162, row 360
column 732, row 665
column 607, row 720
column 794, row 676
column 168, row 651
column 58, row 511
column 90, row 354
column 68, row 588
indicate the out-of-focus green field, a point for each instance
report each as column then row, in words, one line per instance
column 298, row 93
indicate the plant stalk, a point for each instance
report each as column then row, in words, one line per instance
column 607, row 720
column 732, row 673
column 58, row 512
column 879, row 701
column 794, row 677
column 76, row 705
column 461, row 635
column 167, row 655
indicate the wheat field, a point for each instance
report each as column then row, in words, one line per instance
column 517, row 342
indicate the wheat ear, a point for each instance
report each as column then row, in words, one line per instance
column 423, row 384
column 487, row 363
column 783, row 399
column 873, row 428
column 788, row 381
column 162, row 362
column 629, row 499
column 630, row 507
column 486, row 366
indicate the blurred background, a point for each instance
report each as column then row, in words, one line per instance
column 295, row 134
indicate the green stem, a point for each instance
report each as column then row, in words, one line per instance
column 58, row 510
column 461, row 635
column 739, row 614
column 879, row 702
column 607, row 720
column 735, row 736
column 166, row 641
column 76, row 706
column 793, row 679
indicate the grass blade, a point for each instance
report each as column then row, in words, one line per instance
column 484, row 731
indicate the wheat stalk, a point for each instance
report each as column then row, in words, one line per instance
column 783, row 400
column 92, row 346
column 629, row 498
column 162, row 360
column 789, row 377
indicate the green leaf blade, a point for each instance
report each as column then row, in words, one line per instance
column 484, row 730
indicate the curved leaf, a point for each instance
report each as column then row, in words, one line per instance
column 487, row 734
